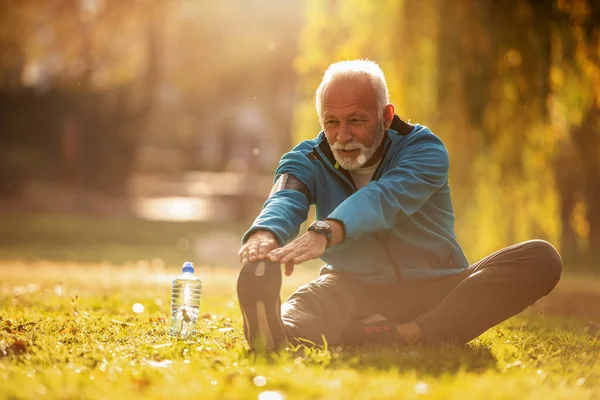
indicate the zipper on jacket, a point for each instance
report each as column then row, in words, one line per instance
column 335, row 171
column 353, row 187
column 377, row 173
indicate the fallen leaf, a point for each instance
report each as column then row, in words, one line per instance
column 17, row 347
column 121, row 322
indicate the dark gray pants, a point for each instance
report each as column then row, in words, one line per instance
column 455, row 309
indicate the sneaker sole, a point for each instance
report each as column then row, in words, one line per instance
column 258, row 290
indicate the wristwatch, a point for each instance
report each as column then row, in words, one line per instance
column 322, row 228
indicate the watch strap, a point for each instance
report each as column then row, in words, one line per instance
column 327, row 232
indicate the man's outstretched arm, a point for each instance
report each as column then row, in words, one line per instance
column 284, row 211
column 278, row 222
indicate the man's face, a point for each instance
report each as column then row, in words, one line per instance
column 352, row 123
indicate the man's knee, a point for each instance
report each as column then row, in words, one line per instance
column 547, row 263
column 324, row 289
column 321, row 308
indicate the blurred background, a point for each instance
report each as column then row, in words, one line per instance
column 149, row 129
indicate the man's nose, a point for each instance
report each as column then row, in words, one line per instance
column 344, row 134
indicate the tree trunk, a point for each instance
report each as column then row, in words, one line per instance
column 593, row 201
column 568, row 174
column 590, row 151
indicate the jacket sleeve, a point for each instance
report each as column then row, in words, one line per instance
column 285, row 210
column 420, row 169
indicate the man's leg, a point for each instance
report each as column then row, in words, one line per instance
column 323, row 308
column 459, row 308
column 492, row 290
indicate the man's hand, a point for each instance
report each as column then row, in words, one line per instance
column 258, row 245
column 309, row 246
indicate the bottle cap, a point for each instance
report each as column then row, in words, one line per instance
column 188, row 267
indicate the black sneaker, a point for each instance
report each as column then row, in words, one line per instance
column 380, row 332
column 258, row 290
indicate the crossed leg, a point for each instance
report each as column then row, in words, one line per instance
column 450, row 309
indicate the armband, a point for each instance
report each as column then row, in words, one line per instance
column 290, row 182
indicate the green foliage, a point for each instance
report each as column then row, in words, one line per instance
column 69, row 332
column 505, row 85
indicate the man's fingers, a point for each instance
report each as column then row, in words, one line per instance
column 277, row 251
column 273, row 255
column 303, row 257
column 296, row 252
column 256, row 250
column 289, row 268
column 286, row 257
column 243, row 254
column 263, row 249
column 252, row 254
column 311, row 255
column 289, row 257
column 276, row 257
column 278, row 254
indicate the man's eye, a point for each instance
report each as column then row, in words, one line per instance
column 356, row 121
column 331, row 122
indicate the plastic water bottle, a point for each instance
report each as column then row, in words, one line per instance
column 185, row 302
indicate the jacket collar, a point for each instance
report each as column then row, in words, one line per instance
column 399, row 125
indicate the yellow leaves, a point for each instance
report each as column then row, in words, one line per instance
column 513, row 57
column 557, row 76
column 574, row 116
column 66, row 329
column 576, row 8
column 501, row 117
column 505, row 207
column 365, row 29
column 579, row 221
column 510, row 91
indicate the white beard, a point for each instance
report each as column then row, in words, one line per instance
column 352, row 163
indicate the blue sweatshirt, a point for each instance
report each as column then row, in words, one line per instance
column 398, row 227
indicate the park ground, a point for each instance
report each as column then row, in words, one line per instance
column 68, row 330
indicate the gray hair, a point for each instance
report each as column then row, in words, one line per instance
column 346, row 71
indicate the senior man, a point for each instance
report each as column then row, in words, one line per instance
column 385, row 228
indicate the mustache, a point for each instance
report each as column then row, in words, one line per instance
column 347, row 146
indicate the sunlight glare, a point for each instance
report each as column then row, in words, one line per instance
column 138, row 308
column 271, row 395
column 260, row 381
column 421, row 388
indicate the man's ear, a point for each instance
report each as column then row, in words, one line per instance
column 388, row 115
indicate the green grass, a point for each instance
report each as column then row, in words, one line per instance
column 67, row 331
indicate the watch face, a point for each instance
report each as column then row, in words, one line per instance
column 321, row 224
